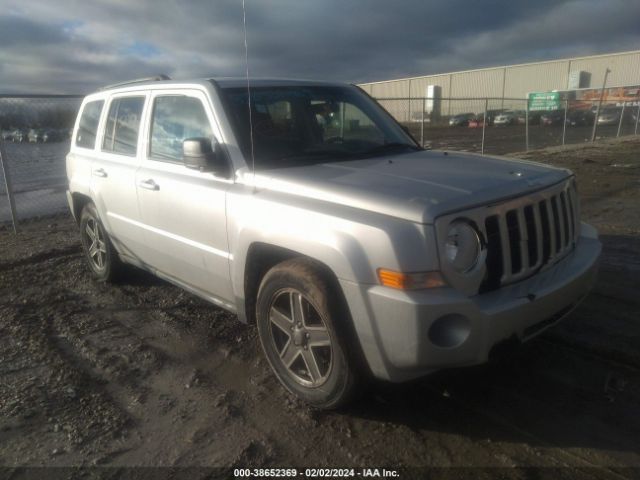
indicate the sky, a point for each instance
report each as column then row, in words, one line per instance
column 76, row 46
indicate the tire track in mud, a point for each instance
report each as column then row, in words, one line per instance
column 73, row 250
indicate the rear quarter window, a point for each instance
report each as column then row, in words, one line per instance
column 88, row 128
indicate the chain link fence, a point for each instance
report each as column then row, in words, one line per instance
column 458, row 123
column 35, row 136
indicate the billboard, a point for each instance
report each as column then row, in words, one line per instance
column 539, row 101
column 584, row 98
column 630, row 96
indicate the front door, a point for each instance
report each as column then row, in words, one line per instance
column 183, row 210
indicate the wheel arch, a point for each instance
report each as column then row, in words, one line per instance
column 261, row 257
column 79, row 200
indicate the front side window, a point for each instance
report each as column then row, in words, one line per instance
column 296, row 125
column 88, row 128
column 123, row 125
column 176, row 118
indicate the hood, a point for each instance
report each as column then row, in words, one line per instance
column 417, row 186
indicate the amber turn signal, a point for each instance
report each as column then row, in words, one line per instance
column 410, row 281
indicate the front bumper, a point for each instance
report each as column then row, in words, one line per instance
column 405, row 335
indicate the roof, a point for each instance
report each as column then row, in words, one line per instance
column 235, row 82
column 224, row 82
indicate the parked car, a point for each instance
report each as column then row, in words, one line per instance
column 18, row 136
column 521, row 117
column 354, row 251
column 35, row 135
column 427, row 117
column 577, row 118
column 461, row 120
column 475, row 122
column 506, row 118
column 478, row 120
column 53, row 135
column 609, row 115
column 7, row 135
column 554, row 117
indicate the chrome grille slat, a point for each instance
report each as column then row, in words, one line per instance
column 538, row 224
column 572, row 227
column 576, row 210
column 572, row 214
column 552, row 227
column 524, row 247
column 506, row 250
column 561, row 225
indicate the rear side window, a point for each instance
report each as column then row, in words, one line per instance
column 123, row 125
column 175, row 118
column 88, row 128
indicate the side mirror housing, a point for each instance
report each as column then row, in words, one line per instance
column 199, row 154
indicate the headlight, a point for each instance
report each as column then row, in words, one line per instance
column 462, row 247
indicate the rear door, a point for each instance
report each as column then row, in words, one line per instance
column 183, row 210
column 114, row 169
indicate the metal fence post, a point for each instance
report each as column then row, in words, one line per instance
column 526, row 127
column 621, row 117
column 424, row 106
column 595, row 121
column 635, row 132
column 564, row 125
column 484, row 123
column 7, row 184
column 409, row 119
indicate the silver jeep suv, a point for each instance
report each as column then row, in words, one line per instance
column 306, row 209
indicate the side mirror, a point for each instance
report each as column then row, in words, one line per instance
column 199, row 154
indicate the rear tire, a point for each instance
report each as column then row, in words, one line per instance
column 303, row 332
column 101, row 257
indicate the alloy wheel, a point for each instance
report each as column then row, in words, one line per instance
column 301, row 338
column 96, row 245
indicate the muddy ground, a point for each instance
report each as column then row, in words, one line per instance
column 145, row 374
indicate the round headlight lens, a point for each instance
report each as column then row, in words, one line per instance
column 462, row 247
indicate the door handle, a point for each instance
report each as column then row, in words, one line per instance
column 99, row 172
column 149, row 184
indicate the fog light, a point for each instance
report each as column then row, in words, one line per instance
column 450, row 330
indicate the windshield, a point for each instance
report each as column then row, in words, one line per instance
column 299, row 125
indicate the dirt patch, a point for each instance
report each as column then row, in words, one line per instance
column 142, row 373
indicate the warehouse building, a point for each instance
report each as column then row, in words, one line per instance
column 516, row 81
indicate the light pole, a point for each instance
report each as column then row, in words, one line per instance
column 595, row 120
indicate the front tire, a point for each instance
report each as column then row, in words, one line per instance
column 303, row 328
column 101, row 257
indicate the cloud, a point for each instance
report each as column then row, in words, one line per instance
column 74, row 46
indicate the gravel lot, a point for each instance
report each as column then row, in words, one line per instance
column 143, row 374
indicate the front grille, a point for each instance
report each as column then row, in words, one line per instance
column 523, row 239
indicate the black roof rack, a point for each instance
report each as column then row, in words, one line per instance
column 156, row 78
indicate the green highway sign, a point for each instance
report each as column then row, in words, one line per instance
column 544, row 101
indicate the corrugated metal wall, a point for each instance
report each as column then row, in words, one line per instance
column 517, row 80
column 479, row 83
column 625, row 69
column 523, row 79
